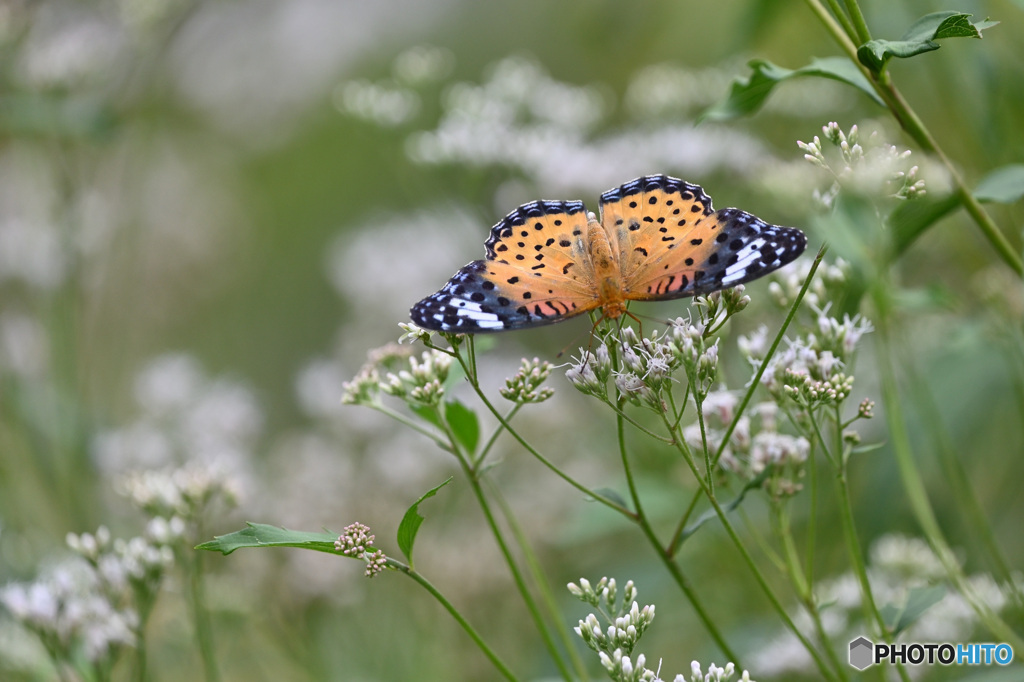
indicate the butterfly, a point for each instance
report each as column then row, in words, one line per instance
column 658, row 238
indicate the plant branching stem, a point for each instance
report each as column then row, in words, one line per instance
column 477, row 639
column 913, row 126
column 751, row 564
column 670, row 564
column 473, row 478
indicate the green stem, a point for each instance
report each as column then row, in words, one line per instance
column 405, row 421
column 959, row 481
column 473, row 478
column 491, row 656
column 752, row 565
column 756, row 381
column 539, row 457
column 635, row 423
column 494, row 436
column 201, row 617
column 784, row 531
column 839, row 14
column 670, row 564
column 913, row 126
column 708, row 464
column 857, row 18
column 913, row 484
column 547, row 597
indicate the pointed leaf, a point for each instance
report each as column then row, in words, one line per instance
column 912, row 217
column 1003, row 185
column 746, row 96
column 920, row 38
column 428, row 414
column 411, row 522
column 464, row 423
column 263, row 535
column 614, row 496
column 919, row 600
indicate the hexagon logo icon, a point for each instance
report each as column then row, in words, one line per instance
column 861, row 653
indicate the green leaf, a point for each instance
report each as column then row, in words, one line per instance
column 870, row 447
column 919, row 600
column 614, row 496
column 920, row 38
column 746, row 96
column 464, row 423
column 911, row 218
column 412, row 520
column 1003, row 185
column 263, row 535
column 427, row 414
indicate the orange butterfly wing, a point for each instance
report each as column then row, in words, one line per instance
column 671, row 243
column 536, row 272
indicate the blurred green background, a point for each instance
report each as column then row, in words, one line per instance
column 262, row 189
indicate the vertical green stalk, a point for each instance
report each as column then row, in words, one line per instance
column 472, row 476
column 491, row 656
column 958, row 480
column 200, row 615
column 540, row 580
column 857, row 18
column 913, row 484
column 670, row 564
column 913, row 126
column 780, row 519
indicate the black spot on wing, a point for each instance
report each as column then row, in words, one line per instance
column 526, row 215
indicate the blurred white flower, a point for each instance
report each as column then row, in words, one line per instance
column 186, row 419
column 68, row 44
column 387, row 105
column 384, row 266
column 252, row 67
column 24, row 346
column 423, row 64
column 523, row 118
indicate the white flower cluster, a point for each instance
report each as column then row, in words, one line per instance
column 522, row 118
column 614, row 645
column 178, row 493
column 523, row 387
column 751, row 452
column 872, row 169
column 808, row 370
column 91, row 603
column 646, row 365
column 423, row 381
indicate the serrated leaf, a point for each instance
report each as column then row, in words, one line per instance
column 263, row 535
column 464, row 423
column 1003, row 185
column 412, row 521
column 919, row 600
column 920, row 38
column 747, row 95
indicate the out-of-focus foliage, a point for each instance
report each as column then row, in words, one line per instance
column 210, row 211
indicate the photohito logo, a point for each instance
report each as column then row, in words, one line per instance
column 864, row 653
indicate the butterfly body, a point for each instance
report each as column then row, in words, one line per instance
column 658, row 238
